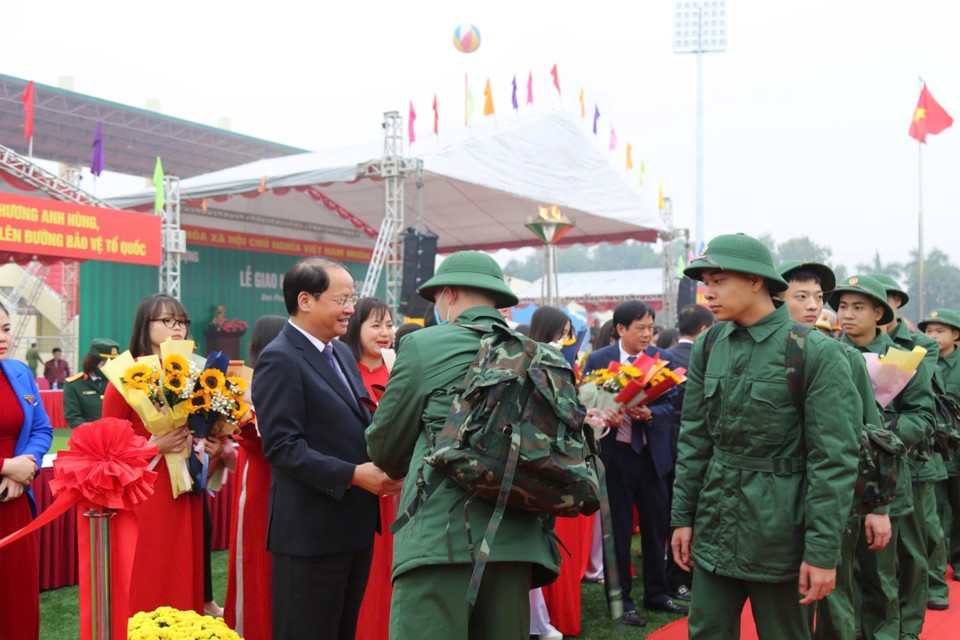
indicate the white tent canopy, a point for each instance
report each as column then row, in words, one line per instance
column 477, row 193
column 633, row 284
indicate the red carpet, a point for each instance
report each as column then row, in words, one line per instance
column 939, row 625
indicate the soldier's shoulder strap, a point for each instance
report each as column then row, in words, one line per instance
column 75, row 377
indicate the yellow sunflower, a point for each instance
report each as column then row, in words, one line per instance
column 240, row 410
column 239, row 385
column 199, row 401
column 139, row 376
column 176, row 364
column 175, row 382
column 211, row 380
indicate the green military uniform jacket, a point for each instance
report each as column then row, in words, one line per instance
column 950, row 374
column 871, row 410
column 83, row 399
column 739, row 413
column 33, row 359
column 914, row 407
column 933, row 468
column 432, row 363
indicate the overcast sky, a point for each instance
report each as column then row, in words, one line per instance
column 806, row 113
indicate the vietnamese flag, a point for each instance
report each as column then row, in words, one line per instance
column 929, row 118
column 28, row 110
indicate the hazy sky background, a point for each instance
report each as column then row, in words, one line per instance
column 806, row 113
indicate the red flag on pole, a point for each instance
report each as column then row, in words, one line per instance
column 556, row 78
column 410, row 121
column 929, row 118
column 28, row 111
column 436, row 117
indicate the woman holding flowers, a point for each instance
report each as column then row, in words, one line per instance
column 168, row 560
column 25, row 436
column 369, row 331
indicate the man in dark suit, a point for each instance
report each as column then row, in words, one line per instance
column 323, row 496
column 692, row 320
column 636, row 455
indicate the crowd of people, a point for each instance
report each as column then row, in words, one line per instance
column 743, row 481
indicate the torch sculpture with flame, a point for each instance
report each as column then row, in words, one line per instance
column 550, row 226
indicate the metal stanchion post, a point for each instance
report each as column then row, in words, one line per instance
column 100, row 572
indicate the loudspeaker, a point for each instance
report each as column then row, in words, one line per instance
column 419, row 256
column 686, row 293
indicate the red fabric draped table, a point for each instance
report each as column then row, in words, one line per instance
column 53, row 404
column 58, row 540
column 563, row 596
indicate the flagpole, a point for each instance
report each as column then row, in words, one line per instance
column 922, row 300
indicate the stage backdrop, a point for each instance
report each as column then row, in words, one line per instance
column 247, row 281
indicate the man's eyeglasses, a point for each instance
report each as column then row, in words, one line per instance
column 343, row 302
column 172, row 323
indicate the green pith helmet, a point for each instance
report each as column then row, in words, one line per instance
column 104, row 348
column 827, row 279
column 737, row 252
column 941, row 316
column 470, row 269
column 868, row 286
column 891, row 286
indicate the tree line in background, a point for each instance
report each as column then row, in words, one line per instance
column 942, row 277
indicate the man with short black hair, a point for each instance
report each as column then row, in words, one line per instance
column 56, row 370
column 324, row 505
column 764, row 487
column 637, row 457
column 862, row 308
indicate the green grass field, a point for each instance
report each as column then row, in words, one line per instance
column 60, row 618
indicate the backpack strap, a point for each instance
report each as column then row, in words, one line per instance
column 794, row 365
column 708, row 341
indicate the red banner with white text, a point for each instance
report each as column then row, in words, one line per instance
column 81, row 232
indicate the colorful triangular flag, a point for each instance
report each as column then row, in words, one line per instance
column 613, row 138
column 596, row 116
column 556, row 78
column 413, row 118
column 583, row 107
column 96, row 157
column 530, row 88
column 27, row 100
column 643, row 170
column 660, row 198
column 629, row 157
column 487, row 99
column 436, row 117
column 159, row 198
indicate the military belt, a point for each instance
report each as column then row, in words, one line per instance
column 784, row 466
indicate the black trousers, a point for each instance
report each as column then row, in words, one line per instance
column 318, row 597
column 632, row 481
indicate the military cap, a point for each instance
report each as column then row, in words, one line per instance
column 868, row 286
column 104, row 348
column 827, row 320
column 891, row 286
column 827, row 279
column 470, row 269
column 941, row 316
column 737, row 252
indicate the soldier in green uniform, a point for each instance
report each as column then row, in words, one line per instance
column 763, row 490
column 83, row 392
column 943, row 326
column 862, row 308
column 924, row 535
column 807, row 282
column 33, row 358
column 432, row 558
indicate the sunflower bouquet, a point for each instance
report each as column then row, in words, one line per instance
column 629, row 385
column 156, row 389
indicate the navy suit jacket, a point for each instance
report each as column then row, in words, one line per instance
column 657, row 430
column 37, row 434
column 679, row 356
column 312, row 428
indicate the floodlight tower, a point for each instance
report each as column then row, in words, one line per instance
column 700, row 27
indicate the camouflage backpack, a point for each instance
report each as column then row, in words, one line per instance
column 880, row 449
column 514, row 436
column 946, row 433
